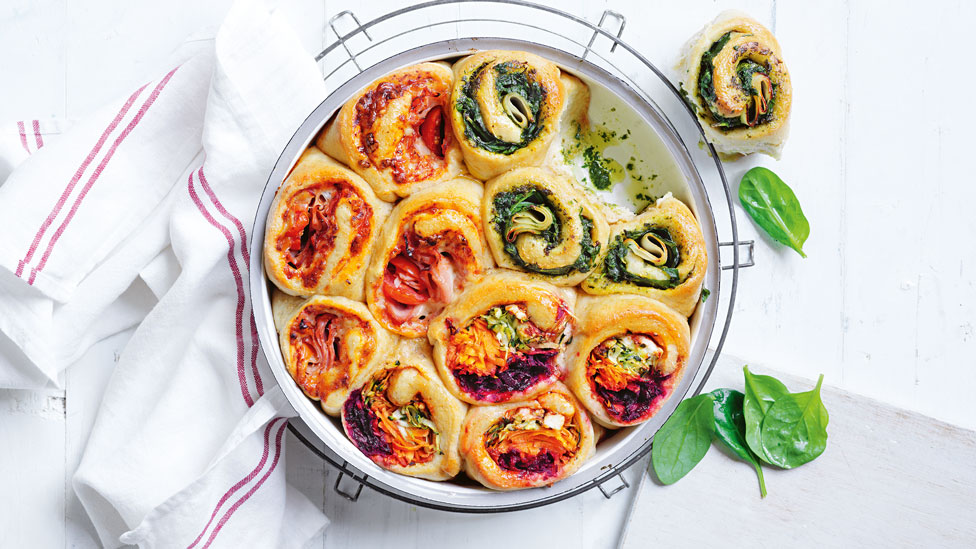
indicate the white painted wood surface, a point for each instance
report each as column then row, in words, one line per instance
column 878, row 156
column 889, row 478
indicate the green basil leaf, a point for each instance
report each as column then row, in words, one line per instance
column 684, row 439
column 773, row 206
column 794, row 430
column 760, row 394
column 730, row 428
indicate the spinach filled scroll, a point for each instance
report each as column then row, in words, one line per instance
column 395, row 134
column 503, row 339
column 505, row 110
column 321, row 229
column 540, row 223
column 327, row 344
column 733, row 73
column 430, row 247
column 628, row 356
column 527, row 444
column 659, row 254
column 403, row 418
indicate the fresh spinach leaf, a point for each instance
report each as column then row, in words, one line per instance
column 794, row 430
column 760, row 394
column 730, row 428
column 684, row 439
column 773, row 206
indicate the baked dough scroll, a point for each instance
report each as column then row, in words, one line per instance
column 506, row 107
column 327, row 344
column 395, row 134
column 430, row 247
column 659, row 254
column 527, row 444
column 321, row 229
column 403, row 418
column 503, row 339
column 733, row 73
column 540, row 223
column 629, row 356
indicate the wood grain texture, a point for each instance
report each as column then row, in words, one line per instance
column 889, row 477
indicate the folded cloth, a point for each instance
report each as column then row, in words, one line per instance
column 187, row 449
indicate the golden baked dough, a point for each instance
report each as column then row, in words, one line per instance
column 503, row 339
column 327, row 343
column 540, row 223
column 629, row 355
column 660, row 254
column 527, row 444
column 394, row 133
column 506, row 106
column 403, row 418
column 430, row 247
column 734, row 75
column 321, row 229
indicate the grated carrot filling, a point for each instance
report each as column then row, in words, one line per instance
column 478, row 350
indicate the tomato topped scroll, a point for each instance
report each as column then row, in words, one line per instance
column 540, row 223
column 660, row 254
column 738, row 84
column 503, row 339
column 395, row 133
column 527, row 444
column 430, row 247
column 327, row 344
column 403, row 418
column 629, row 356
column 505, row 110
column 321, row 229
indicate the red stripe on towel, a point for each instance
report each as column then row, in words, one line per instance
column 259, row 384
column 23, row 136
column 37, row 134
column 238, row 281
column 240, row 484
column 75, row 178
column 247, row 496
column 98, row 171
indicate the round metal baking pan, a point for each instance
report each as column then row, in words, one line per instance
column 623, row 448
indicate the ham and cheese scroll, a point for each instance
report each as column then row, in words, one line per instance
column 527, row 444
column 394, row 132
column 734, row 74
column 321, row 229
column 659, row 254
column 503, row 339
column 506, row 107
column 629, row 356
column 403, row 418
column 430, row 247
column 540, row 223
column 327, row 343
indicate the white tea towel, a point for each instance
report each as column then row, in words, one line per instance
column 187, row 449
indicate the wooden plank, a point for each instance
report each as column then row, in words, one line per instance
column 888, row 477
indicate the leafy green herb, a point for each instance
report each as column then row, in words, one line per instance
column 509, row 203
column 773, row 206
column 511, row 77
column 760, row 394
column 730, row 428
column 597, row 166
column 705, row 293
column 684, row 439
column 765, row 423
column 794, row 430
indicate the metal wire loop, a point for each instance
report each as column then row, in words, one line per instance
column 603, row 18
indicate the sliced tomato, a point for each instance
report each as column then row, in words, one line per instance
column 432, row 130
column 405, row 283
